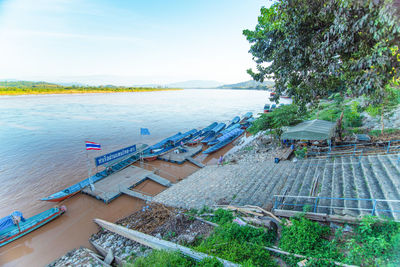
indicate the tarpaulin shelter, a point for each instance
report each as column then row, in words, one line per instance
column 310, row 130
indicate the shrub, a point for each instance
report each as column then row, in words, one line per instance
column 162, row 258
column 240, row 244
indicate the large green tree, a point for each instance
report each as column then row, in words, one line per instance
column 315, row 48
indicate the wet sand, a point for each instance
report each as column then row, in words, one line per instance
column 74, row 228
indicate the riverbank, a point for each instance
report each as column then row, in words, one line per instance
column 46, row 91
column 240, row 152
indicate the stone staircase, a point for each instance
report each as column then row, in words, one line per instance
column 372, row 177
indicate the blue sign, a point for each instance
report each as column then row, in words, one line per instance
column 115, row 155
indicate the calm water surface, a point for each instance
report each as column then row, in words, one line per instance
column 42, row 137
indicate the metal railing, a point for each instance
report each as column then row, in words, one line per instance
column 376, row 207
column 389, row 147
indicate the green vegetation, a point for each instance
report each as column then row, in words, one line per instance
column 284, row 116
column 27, row 88
column 316, row 48
column 161, row 258
column 373, row 242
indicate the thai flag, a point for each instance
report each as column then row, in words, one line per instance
column 92, row 146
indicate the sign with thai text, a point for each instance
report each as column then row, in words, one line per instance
column 115, row 155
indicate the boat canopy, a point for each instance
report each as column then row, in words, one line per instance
column 229, row 135
column 219, row 127
column 247, row 115
column 310, row 130
column 9, row 221
column 230, row 128
column 209, row 127
column 235, row 120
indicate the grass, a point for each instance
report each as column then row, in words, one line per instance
column 371, row 243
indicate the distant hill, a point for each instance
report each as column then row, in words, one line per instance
column 195, row 84
column 23, row 84
column 251, row 84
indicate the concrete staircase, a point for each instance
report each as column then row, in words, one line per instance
column 374, row 177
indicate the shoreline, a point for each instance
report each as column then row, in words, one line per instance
column 70, row 92
column 235, row 151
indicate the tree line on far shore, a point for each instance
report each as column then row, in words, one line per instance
column 26, row 87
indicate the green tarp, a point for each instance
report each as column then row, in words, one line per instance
column 310, row 130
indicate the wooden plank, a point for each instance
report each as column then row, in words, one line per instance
column 322, row 217
column 155, row 243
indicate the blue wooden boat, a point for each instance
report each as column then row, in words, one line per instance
column 214, row 132
column 76, row 188
column 224, row 140
column 195, row 140
column 227, row 130
column 10, row 229
column 246, row 116
column 167, row 145
column 247, row 123
column 234, row 121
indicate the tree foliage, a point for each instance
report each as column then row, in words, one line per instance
column 315, row 48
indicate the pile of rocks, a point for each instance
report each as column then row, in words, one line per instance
column 374, row 123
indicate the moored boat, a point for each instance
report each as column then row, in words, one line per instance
column 224, row 140
column 195, row 140
column 213, row 132
column 167, row 145
column 227, row 130
column 246, row 116
column 78, row 187
column 233, row 121
column 15, row 226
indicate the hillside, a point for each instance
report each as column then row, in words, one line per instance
column 251, row 84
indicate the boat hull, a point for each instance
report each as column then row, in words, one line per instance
column 12, row 233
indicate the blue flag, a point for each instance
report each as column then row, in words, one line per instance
column 144, row 131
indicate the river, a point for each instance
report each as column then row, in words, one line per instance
column 42, row 151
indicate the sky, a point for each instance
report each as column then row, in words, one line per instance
column 126, row 42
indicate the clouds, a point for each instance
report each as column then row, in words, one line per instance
column 180, row 40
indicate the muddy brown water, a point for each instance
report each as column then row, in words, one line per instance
column 74, row 228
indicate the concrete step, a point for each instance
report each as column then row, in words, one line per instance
column 294, row 189
column 159, row 179
column 326, row 185
column 349, row 188
column 386, row 183
column 136, row 194
column 376, row 188
column 337, row 187
column 266, row 182
column 362, row 187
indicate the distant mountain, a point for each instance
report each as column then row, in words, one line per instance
column 21, row 84
column 251, row 84
column 195, row 84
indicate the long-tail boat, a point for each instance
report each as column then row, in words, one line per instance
column 78, row 187
column 202, row 134
column 167, row 145
column 224, row 140
column 227, row 130
column 214, row 132
column 15, row 226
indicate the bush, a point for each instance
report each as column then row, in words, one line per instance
column 283, row 116
column 162, row 258
column 304, row 237
column 240, row 244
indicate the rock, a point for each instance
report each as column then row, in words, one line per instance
column 187, row 238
